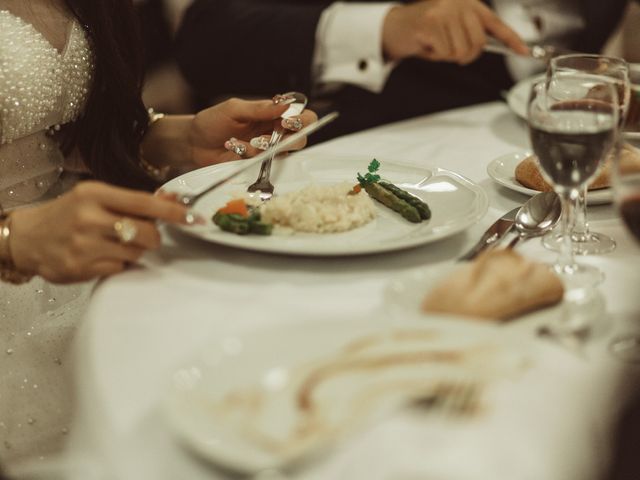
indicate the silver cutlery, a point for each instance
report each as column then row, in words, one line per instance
column 536, row 52
column 297, row 103
column 459, row 398
column 494, row 233
column 537, row 216
column 190, row 199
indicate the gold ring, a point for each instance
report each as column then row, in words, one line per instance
column 126, row 230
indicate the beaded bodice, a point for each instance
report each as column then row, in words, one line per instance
column 41, row 88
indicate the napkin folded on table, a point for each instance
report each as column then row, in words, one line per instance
column 499, row 284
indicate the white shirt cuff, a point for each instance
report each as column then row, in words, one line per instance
column 349, row 46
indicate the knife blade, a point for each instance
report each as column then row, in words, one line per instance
column 494, row 233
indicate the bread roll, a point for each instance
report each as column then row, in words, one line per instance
column 498, row 285
column 528, row 173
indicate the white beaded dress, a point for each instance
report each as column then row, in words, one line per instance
column 45, row 75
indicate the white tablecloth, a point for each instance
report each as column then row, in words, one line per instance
column 553, row 423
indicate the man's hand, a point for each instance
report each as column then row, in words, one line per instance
column 445, row 30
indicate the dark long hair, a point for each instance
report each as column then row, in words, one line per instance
column 109, row 134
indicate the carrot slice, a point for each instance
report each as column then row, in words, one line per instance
column 356, row 189
column 235, row 206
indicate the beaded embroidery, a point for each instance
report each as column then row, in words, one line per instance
column 40, row 86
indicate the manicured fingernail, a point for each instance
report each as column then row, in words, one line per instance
column 283, row 98
column 261, row 143
column 292, row 123
column 233, row 145
column 194, row 219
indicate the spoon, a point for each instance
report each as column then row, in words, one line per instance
column 537, row 216
column 297, row 103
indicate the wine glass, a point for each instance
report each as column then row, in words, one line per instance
column 626, row 187
column 584, row 241
column 573, row 122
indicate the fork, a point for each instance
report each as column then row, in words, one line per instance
column 297, row 103
column 450, row 398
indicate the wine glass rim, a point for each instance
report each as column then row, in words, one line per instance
column 608, row 58
column 540, row 91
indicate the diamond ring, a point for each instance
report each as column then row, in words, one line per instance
column 126, row 230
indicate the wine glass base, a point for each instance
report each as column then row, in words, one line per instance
column 591, row 244
column 626, row 348
column 579, row 277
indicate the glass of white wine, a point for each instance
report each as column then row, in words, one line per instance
column 573, row 124
column 615, row 70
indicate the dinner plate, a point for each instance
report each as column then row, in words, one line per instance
column 631, row 136
column 518, row 99
column 456, row 203
column 518, row 95
column 405, row 293
column 274, row 398
column 502, row 171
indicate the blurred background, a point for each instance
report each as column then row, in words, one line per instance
column 167, row 91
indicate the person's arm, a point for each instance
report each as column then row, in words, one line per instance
column 249, row 46
column 342, row 55
column 94, row 230
column 185, row 142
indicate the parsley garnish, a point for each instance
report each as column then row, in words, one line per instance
column 371, row 176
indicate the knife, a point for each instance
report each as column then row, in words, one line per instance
column 190, row 200
column 494, row 233
column 536, row 52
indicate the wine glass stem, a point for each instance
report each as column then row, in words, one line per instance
column 580, row 232
column 565, row 260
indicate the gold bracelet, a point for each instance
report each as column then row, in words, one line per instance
column 159, row 174
column 8, row 271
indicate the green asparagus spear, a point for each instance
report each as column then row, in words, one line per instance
column 417, row 203
column 260, row 228
column 396, row 204
column 233, row 223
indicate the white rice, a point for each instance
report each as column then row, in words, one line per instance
column 320, row 209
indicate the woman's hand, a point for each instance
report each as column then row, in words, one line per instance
column 225, row 131
column 73, row 238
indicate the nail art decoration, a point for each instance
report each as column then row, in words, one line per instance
column 233, row 145
column 292, row 123
column 261, row 143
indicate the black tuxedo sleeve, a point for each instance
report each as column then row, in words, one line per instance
column 249, row 46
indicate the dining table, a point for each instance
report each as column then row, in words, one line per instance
column 555, row 421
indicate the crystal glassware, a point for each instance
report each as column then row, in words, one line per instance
column 616, row 70
column 573, row 124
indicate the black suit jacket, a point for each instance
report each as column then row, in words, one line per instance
column 266, row 46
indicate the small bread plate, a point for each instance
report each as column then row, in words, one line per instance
column 518, row 95
column 404, row 295
column 502, row 171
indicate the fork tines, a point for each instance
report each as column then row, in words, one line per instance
column 451, row 398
